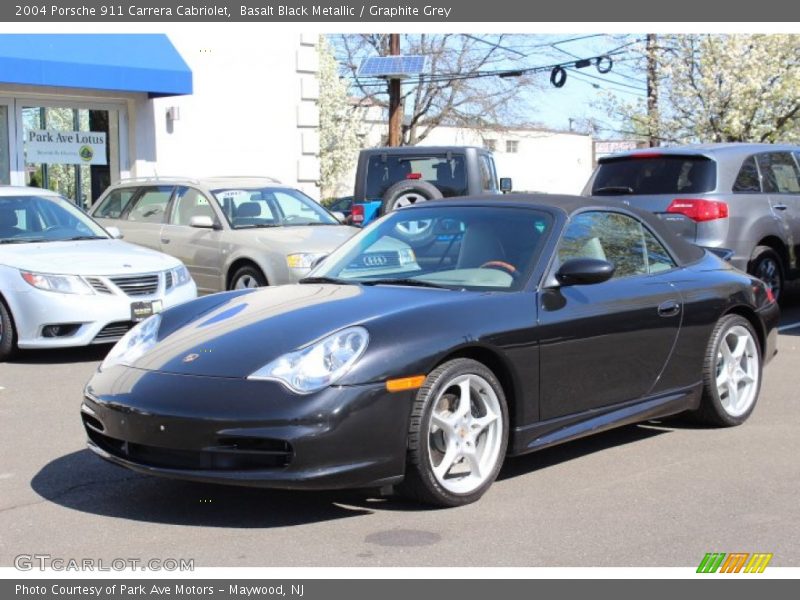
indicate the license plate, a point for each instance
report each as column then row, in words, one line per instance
column 142, row 310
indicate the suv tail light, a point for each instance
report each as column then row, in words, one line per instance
column 357, row 213
column 698, row 209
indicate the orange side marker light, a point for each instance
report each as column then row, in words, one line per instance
column 405, row 383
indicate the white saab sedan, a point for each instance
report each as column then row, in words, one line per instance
column 66, row 281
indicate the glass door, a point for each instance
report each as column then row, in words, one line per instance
column 67, row 150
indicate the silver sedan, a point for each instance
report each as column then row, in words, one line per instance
column 65, row 281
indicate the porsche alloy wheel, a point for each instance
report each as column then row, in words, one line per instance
column 459, row 434
column 732, row 373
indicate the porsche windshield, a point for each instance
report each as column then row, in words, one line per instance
column 454, row 247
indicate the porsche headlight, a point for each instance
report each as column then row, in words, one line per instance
column 134, row 343
column 319, row 365
column 65, row 284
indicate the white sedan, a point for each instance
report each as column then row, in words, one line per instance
column 66, row 281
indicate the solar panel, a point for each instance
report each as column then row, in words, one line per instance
column 392, row 67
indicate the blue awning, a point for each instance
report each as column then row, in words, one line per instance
column 146, row 63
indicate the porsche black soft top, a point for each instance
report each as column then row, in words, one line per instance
column 684, row 252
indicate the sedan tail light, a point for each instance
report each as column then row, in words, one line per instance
column 357, row 213
column 698, row 209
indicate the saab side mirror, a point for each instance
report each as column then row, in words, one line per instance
column 505, row 185
column 339, row 216
column 114, row 232
column 584, row 271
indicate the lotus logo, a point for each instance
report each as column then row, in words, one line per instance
column 374, row 260
column 190, row 358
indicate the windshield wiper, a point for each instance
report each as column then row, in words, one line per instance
column 408, row 282
column 257, row 226
column 83, row 237
column 24, row 241
column 328, row 280
column 613, row 189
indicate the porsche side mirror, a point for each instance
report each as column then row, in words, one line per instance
column 584, row 271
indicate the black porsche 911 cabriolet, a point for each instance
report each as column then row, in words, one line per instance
column 437, row 341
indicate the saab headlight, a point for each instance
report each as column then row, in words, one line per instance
column 179, row 276
column 64, row 284
column 134, row 343
column 318, row 365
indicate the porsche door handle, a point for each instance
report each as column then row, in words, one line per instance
column 780, row 207
column 165, row 240
column 670, row 308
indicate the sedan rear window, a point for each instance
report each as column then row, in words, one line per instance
column 657, row 174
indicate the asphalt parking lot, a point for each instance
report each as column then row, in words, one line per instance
column 657, row 494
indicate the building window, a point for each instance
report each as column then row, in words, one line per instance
column 490, row 145
column 512, row 146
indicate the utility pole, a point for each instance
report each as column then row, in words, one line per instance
column 395, row 110
column 652, row 91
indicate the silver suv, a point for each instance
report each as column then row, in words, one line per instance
column 230, row 232
column 743, row 197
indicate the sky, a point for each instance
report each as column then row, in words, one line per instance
column 580, row 99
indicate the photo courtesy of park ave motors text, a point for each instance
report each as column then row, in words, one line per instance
column 370, row 298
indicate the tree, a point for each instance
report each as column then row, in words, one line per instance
column 722, row 88
column 338, row 123
column 457, row 91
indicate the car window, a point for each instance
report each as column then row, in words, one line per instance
column 114, row 204
column 779, row 173
column 151, row 205
column 446, row 172
column 271, row 207
column 658, row 174
column 616, row 238
column 457, row 247
column 748, row 180
column 190, row 203
column 488, row 179
column 37, row 219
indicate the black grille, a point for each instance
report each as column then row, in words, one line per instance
column 98, row 285
column 113, row 331
column 168, row 280
column 138, row 285
column 277, row 454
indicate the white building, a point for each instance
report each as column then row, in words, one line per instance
column 191, row 103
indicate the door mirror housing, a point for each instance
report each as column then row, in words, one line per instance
column 202, row 222
column 114, row 232
column 339, row 216
column 584, row 271
column 505, row 185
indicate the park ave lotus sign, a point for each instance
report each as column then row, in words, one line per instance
column 65, row 147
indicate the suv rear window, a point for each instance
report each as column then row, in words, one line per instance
column 662, row 174
column 447, row 174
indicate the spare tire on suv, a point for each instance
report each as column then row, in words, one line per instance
column 408, row 192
